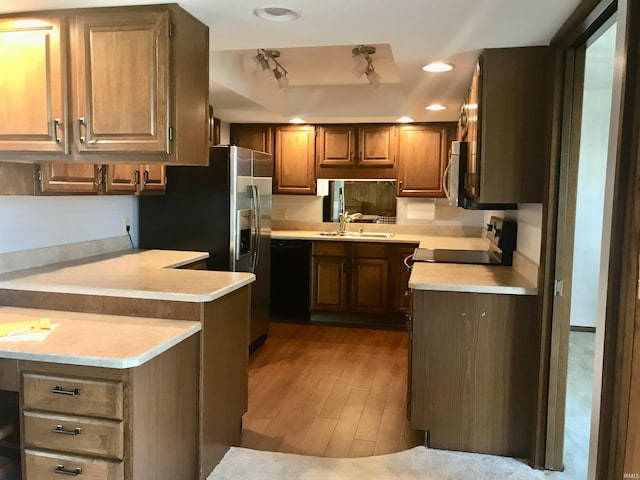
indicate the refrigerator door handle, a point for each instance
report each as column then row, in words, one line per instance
column 257, row 225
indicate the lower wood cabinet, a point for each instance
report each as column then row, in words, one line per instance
column 359, row 277
column 105, row 423
column 473, row 371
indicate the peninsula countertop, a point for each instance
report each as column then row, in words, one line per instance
column 96, row 340
column 147, row 274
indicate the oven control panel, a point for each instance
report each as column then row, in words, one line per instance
column 502, row 233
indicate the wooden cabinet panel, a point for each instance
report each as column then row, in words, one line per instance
column 134, row 89
column 370, row 285
column 135, row 179
column 83, row 435
column 255, row 137
column 78, row 396
column 507, row 122
column 473, row 382
column 376, row 145
column 295, row 160
column 336, row 146
column 45, row 465
column 422, row 155
column 120, row 64
column 400, row 278
column 69, row 178
column 329, row 285
column 32, row 85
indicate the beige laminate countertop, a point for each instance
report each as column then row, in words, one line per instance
column 148, row 274
column 97, row 340
column 455, row 277
column 424, row 241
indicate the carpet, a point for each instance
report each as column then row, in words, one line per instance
column 418, row 463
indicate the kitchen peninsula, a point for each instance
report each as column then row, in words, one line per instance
column 163, row 376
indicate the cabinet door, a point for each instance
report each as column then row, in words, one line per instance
column 400, row 278
column 255, row 137
column 370, row 285
column 295, row 160
column 422, row 157
column 472, row 111
column 32, row 86
column 377, row 146
column 329, row 284
column 121, row 92
column 153, row 178
column 336, row 146
column 69, row 178
column 122, row 178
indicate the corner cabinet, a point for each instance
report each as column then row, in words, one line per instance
column 137, row 89
column 506, row 119
column 295, row 160
column 422, row 157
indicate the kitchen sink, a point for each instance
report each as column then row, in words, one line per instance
column 358, row 234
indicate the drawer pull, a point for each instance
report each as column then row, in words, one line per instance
column 60, row 429
column 63, row 471
column 61, row 391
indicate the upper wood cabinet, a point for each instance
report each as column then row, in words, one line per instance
column 356, row 151
column 33, row 85
column 135, row 179
column 68, row 178
column 137, row 91
column 253, row 136
column 506, row 119
column 422, row 156
column 295, row 160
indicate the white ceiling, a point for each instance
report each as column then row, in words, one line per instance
column 316, row 51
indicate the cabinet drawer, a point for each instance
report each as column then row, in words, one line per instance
column 78, row 396
column 45, row 465
column 335, row 249
column 370, row 250
column 84, row 435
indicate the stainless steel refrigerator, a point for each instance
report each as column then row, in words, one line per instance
column 223, row 209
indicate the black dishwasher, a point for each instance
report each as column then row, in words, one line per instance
column 290, row 279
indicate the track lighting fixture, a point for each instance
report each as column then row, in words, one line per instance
column 265, row 58
column 363, row 64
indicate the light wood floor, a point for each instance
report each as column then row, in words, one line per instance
column 329, row 391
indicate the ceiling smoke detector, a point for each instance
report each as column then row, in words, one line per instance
column 276, row 14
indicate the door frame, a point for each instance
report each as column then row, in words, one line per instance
column 621, row 306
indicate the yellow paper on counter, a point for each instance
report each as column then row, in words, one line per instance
column 22, row 328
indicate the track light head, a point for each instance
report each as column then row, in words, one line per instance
column 363, row 64
column 265, row 59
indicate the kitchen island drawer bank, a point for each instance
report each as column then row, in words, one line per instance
column 181, row 409
column 105, row 85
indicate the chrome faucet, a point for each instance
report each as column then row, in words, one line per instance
column 346, row 218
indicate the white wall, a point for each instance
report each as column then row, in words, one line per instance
column 529, row 218
column 34, row 222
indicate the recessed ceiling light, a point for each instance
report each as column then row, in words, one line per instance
column 276, row 14
column 297, row 120
column 438, row 67
column 434, row 107
column 405, row 120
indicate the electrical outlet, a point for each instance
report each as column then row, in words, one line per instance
column 126, row 225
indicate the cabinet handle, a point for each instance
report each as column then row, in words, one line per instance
column 99, row 179
column 63, row 471
column 81, row 124
column 136, row 178
column 58, row 390
column 60, row 429
column 145, row 176
column 56, row 124
column 407, row 293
